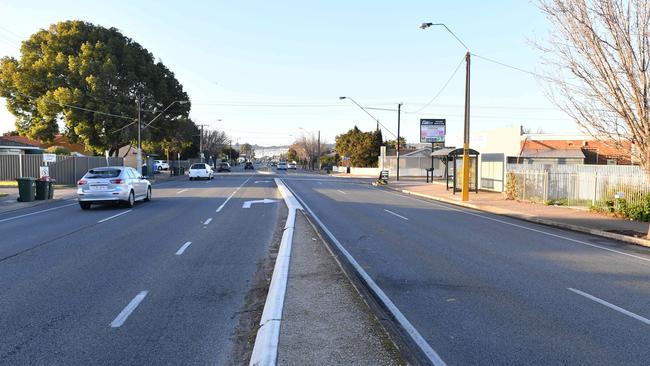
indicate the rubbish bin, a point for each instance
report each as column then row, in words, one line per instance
column 50, row 183
column 175, row 171
column 42, row 189
column 26, row 189
column 182, row 171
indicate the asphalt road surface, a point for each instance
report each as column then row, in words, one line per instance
column 486, row 290
column 162, row 283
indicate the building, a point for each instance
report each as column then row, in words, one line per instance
column 10, row 145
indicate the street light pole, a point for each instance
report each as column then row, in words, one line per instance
column 399, row 115
column 319, row 150
column 465, row 195
column 139, row 155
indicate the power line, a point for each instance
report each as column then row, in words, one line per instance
column 75, row 107
column 441, row 89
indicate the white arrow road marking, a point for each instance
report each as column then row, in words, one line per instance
column 248, row 204
column 262, row 181
column 233, row 193
column 182, row 249
column 122, row 316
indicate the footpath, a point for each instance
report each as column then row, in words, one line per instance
column 9, row 202
column 557, row 216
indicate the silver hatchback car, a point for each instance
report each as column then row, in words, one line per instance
column 112, row 184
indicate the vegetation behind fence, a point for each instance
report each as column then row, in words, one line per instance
column 606, row 188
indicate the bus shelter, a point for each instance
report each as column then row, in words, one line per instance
column 453, row 162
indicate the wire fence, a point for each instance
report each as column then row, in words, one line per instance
column 582, row 186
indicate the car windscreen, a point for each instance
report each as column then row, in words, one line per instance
column 198, row 166
column 103, row 173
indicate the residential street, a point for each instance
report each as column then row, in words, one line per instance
column 483, row 289
column 119, row 286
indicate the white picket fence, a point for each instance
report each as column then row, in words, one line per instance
column 578, row 185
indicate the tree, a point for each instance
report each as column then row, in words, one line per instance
column 58, row 150
column 598, row 56
column 392, row 144
column 361, row 147
column 214, row 142
column 229, row 152
column 247, row 149
column 89, row 78
column 184, row 140
column 306, row 148
column 292, row 155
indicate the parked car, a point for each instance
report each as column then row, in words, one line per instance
column 291, row 166
column 223, row 167
column 161, row 165
column 249, row 165
column 201, row 171
column 112, row 184
column 282, row 165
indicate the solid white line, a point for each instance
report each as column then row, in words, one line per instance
column 398, row 215
column 431, row 354
column 182, row 249
column 341, row 191
column 114, row 216
column 37, row 212
column 611, row 306
column 232, row 194
column 122, row 316
column 207, row 221
column 181, row 191
column 466, row 211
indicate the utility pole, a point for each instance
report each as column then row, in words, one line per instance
column 230, row 152
column 466, row 134
column 201, row 143
column 139, row 155
column 399, row 115
column 318, row 150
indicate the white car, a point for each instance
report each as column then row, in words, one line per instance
column 112, row 184
column 201, row 171
column 161, row 165
column 291, row 166
column 282, row 165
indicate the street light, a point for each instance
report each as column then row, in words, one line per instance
column 139, row 156
column 466, row 127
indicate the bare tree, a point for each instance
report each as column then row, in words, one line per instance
column 597, row 57
column 214, row 141
column 306, row 146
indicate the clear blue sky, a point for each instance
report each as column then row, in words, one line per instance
column 308, row 53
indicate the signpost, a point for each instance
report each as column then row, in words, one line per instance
column 44, row 171
column 49, row 158
column 433, row 130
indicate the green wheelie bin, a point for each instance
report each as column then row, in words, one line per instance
column 42, row 189
column 26, row 189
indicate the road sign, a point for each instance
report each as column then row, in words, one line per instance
column 49, row 158
column 43, row 171
column 433, row 130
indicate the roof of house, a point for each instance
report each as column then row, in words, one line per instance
column 553, row 153
column 6, row 142
column 24, row 141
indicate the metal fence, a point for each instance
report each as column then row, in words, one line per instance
column 577, row 185
column 66, row 169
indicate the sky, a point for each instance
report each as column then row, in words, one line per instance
column 267, row 72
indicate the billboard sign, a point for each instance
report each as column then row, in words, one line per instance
column 433, row 130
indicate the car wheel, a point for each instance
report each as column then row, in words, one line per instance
column 148, row 198
column 84, row 205
column 131, row 201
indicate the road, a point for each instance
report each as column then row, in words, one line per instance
column 486, row 290
column 162, row 283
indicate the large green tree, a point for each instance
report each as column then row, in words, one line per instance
column 361, row 147
column 89, row 77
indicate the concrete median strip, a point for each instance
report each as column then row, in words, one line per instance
column 265, row 350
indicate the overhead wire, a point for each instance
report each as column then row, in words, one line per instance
column 441, row 89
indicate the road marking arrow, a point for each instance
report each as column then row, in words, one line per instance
column 262, row 181
column 248, row 204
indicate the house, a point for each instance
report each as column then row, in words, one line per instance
column 59, row 140
column 572, row 149
column 10, row 145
